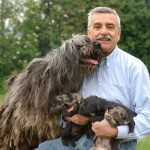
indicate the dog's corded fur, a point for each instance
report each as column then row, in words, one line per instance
column 95, row 108
column 34, row 99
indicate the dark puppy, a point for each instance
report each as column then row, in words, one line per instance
column 72, row 131
column 94, row 108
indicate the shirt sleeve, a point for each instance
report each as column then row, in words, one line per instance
column 140, row 96
column 122, row 131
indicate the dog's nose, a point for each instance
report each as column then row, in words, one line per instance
column 97, row 45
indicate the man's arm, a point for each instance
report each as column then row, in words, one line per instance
column 78, row 119
column 140, row 97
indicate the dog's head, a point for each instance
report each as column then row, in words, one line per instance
column 88, row 48
column 89, row 52
column 65, row 101
column 119, row 115
column 89, row 106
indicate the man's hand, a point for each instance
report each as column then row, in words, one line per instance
column 104, row 129
column 78, row 119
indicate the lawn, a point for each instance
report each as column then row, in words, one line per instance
column 143, row 144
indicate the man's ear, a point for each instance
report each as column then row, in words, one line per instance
column 88, row 32
column 119, row 34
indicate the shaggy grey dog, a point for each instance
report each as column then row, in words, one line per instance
column 95, row 108
column 35, row 97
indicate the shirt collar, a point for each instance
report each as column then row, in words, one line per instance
column 107, row 60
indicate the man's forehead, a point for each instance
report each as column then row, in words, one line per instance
column 101, row 18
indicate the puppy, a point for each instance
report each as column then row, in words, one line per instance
column 116, row 116
column 95, row 108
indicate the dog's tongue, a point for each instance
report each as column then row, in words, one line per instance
column 95, row 62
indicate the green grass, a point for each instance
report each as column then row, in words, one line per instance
column 143, row 144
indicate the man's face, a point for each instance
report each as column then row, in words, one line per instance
column 103, row 24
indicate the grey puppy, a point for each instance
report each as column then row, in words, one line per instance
column 117, row 115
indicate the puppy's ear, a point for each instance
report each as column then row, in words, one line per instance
column 111, row 107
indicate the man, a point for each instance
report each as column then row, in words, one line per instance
column 119, row 77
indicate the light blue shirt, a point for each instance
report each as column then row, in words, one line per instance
column 123, row 78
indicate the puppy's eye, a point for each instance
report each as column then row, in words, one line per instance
column 92, row 114
column 125, row 118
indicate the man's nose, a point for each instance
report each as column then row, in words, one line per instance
column 104, row 30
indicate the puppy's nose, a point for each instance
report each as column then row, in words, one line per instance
column 97, row 45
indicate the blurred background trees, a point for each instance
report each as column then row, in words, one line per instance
column 31, row 28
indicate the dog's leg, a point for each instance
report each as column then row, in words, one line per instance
column 111, row 121
column 89, row 131
column 115, row 144
column 66, row 134
column 131, row 125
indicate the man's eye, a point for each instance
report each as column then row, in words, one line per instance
column 110, row 27
column 97, row 27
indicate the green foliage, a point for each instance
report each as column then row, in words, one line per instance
column 135, row 33
column 17, row 47
column 31, row 28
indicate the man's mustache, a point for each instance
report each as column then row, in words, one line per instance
column 104, row 37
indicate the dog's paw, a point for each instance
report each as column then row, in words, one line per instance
column 110, row 120
column 131, row 126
